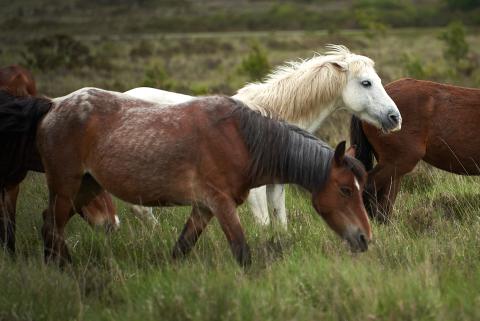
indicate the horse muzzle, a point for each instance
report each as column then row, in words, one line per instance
column 392, row 122
column 357, row 240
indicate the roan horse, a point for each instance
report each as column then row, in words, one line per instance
column 207, row 153
column 305, row 93
column 440, row 126
column 19, row 154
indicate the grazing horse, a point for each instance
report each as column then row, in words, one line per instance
column 207, row 153
column 440, row 125
column 19, row 155
column 18, row 81
column 305, row 93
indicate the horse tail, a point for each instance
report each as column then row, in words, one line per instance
column 19, row 117
column 364, row 150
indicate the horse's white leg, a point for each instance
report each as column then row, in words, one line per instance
column 276, row 200
column 257, row 199
column 145, row 214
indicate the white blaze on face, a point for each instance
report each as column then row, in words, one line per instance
column 355, row 182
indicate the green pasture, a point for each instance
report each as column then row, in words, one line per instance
column 423, row 265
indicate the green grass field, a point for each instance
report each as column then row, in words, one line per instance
column 424, row 265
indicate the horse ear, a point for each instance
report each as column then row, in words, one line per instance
column 339, row 152
column 340, row 65
column 351, row 151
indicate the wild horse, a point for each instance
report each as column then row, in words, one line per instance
column 207, row 153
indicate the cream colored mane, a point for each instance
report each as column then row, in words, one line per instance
column 298, row 91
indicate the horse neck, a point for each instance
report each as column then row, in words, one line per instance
column 294, row 99
column 301, row 160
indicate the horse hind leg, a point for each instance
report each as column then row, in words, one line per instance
column 198, row 220
column 95, row 205
column 8, row 203
column 276, row 200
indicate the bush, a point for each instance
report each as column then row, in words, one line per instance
column 414, row 67
column 157, row 77
column 255, row 65
column 57, row 51
column 368, row 19
column 454, row 39
column 144, row 49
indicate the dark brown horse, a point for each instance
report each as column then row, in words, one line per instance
column 18, row 81
column 207, row 153
column 440, row 126
column 19, row 154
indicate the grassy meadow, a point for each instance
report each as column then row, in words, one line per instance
column 424, row 265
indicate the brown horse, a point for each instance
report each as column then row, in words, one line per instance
column 207, row 153
column 19, row 155
column 18, row 81
column 440, row 125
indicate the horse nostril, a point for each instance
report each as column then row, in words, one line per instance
column 363, row 242
column 394, row 118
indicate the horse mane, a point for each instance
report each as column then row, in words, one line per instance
column 297, row 90
column 286, row 152
column 19, row 117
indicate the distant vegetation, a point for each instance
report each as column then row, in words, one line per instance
column 195, row 16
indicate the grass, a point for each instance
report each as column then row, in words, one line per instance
column 424, row 265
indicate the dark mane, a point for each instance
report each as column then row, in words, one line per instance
column 287, row 152
column 19, row 117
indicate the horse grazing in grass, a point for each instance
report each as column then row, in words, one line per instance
column 207, row 153
column 18, row 122
column 18, row 81
column 440, row 124
column 305, row 93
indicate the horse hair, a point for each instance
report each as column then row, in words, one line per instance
column 287, row 152
column 19, row 117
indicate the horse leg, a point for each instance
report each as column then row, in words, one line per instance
column 8, row 206
column 384, row 184
column 54, row 221
column 64, row 188
column 95, row 205
column 276, row 199
column 257, row 200
column 386, row 199
column 195, row 225
column 145, row 214
column 226, row 213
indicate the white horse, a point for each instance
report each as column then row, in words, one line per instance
column 305, row 93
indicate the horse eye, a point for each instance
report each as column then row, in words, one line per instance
column 346, row 191
column 366, row 83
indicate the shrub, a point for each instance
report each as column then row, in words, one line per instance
column 157, row 77
column 56, row 51
column 255, row 65
column 144, row 49
column 454, row 39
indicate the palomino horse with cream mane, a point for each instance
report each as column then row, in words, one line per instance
column 19, row 153
column 440, row 128
column 305, row 93
column 207, row 153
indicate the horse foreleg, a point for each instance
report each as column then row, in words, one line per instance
column 276, row 200
column 194, row 227
column 257, row 200
column 8, row 205
column 227, row 216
